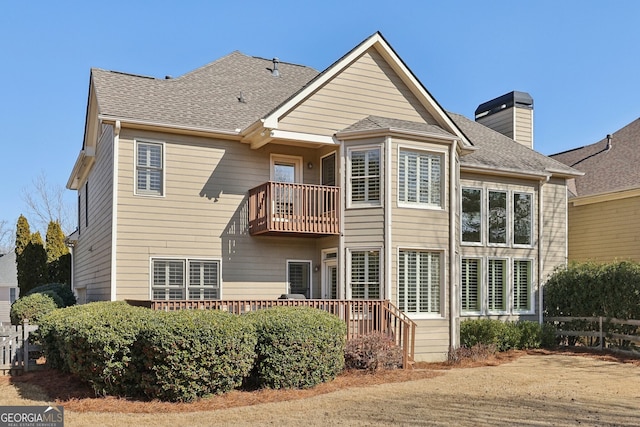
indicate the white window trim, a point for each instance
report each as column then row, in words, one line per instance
column 507, row 287
column 532, row 282
column 507, row 242
column 349, row 283
column 135, row 167
column 484, row 229
column 443, row 173
column 533, row 220
column 300, row 261
column 442, row 254
column 481, row 287
column 186, row 272
column 361, row 205
column 285, row 158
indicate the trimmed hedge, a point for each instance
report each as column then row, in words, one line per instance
column 93, row 341
column 62, row 290
column 298, row 347
column 505, row 335
column 33, row 307
column 185, row 355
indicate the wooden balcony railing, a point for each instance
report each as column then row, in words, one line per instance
column 362, row 317
column 286, row 208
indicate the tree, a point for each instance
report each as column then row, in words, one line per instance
column 6, row 244
column 58, row 258
column 31, row 259
column 23, row 235
column 45, row 202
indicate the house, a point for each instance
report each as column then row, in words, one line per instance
column 251, row 178
column 8, row 285
column 604, row 202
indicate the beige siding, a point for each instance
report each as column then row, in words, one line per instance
column 605, row 231
column 432, row 340
column 5, row 304
column 368, row 87
column 92, row 254
column 203, row 214
column 524, row 126
column 555, row 225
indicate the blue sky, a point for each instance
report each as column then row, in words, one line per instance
column 578, row 60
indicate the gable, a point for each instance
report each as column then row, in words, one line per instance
column 367, row 86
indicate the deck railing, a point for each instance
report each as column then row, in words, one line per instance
column 281, row 207
column 362, row 317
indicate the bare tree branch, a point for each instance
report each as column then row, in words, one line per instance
column 7, row 237
column 45, row 203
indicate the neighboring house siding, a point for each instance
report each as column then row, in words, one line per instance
column 605, row 231
column 368, row 87
column 5, row 305
column 203, row 214
column 92, row 254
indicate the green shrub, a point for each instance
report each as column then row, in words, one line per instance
column 93, row 341
column 503, row 335
column 185, row 355
column 60, row 289
column 298, row 347
column 33, row 308
column 372, row 352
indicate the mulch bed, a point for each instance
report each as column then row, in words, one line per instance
column 68, row 391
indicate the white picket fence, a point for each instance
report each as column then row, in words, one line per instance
column 15, row 348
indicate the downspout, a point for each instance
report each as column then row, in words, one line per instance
column 342, row 256
column 453, row 312
column 387, row 216
column 540, row 244
column 114, row 207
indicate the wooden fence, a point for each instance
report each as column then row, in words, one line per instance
column 16, row 347
column 599, row 330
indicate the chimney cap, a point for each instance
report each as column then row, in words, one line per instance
column 515, row 98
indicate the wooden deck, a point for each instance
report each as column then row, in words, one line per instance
column 362, row 317
column 280, row 208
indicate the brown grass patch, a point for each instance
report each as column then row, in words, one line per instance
column 64, row 389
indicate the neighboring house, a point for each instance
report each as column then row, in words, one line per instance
column 8, row 285
column 604, row 203
column 251, row 178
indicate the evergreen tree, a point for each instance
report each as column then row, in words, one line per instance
column 58, row 258
column 33, row 264
column 23, row 234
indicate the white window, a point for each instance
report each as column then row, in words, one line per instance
column 299, row 277
column 172, row 281
column 471, row 219
column 419, row 178
column 149, row 168
column 419, row 282
column 497, row 285
column 522, row 218
column 522, row 285
column 12, row 295
column 365, row 274
column 364, row 176
column 471, row 274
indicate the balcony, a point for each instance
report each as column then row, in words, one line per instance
column 281, row 208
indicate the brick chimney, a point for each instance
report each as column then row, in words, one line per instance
column 510, row 114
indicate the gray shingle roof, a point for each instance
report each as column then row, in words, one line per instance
column 8, row 270
column 494, row 150
column 377, row 122
column 605, row 170
column 207, row 97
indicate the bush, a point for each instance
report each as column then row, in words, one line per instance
column 475, row 353
column 60, row 289
column 184, row 355
column 33, row 308
column 298, row 347
column 503, row 335
column 372, row 352
column 93, row 341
